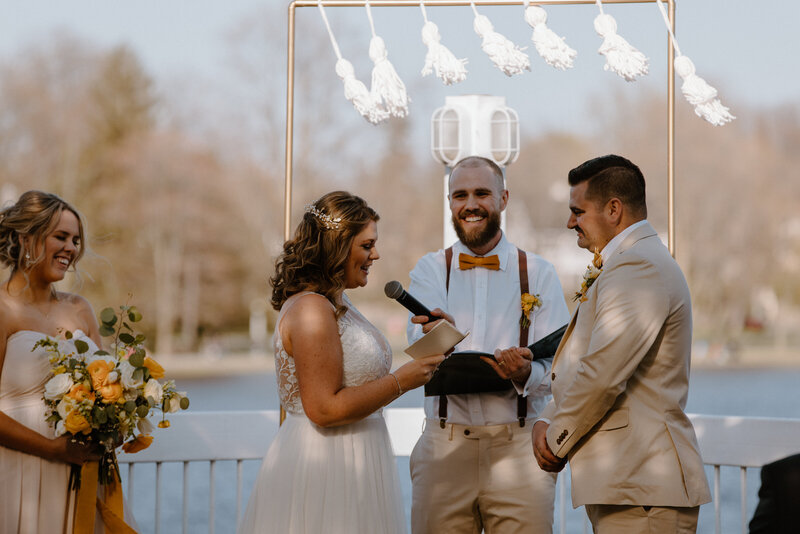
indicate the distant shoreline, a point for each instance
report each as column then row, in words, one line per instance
column 198, row 365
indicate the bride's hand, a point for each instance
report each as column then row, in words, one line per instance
column 418, row 372
column 71, row 451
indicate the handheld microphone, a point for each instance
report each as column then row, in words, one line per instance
column 394, row 290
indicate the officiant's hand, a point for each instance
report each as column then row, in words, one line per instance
column 541, row 450
column 512, row 364
column 427, row 326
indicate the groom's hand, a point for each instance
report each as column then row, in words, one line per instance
column 541, row 450
column 513, row 364
column 427, row 326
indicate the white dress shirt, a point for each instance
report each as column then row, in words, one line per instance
column 486, row 303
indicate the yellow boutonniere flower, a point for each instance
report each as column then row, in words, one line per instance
column 592, row 272
column 528, row 302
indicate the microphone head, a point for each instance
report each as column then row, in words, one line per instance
column 393, row 289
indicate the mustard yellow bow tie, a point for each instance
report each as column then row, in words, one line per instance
column 465, row 262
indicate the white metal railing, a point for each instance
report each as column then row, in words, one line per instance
column 244, row 436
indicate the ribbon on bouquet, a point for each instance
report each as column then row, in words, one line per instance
column 110, row 507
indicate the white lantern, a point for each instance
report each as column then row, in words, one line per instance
column 475, row 125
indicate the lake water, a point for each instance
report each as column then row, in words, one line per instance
column 744, row 392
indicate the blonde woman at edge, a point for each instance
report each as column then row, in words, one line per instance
column 41, row 238
column 331, row 467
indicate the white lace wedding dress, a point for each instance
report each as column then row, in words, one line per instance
column 340, row 480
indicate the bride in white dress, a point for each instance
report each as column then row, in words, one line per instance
column 41, row 237
column 331, row 468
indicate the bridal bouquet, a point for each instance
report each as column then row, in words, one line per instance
column 106, row 398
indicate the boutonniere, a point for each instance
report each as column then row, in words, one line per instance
column 528, row 303
column 593, row 270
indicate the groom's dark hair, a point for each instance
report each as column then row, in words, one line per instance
column 610, row 177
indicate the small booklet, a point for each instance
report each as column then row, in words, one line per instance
column 443, row 337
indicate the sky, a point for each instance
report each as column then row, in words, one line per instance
column 747, row 49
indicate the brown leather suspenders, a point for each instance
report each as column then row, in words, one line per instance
column 522, row 402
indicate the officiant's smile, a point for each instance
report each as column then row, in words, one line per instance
column 477, row 198
column 362, row 253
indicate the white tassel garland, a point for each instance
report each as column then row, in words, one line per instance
column 387, row 89
column 356, row 92
column 439, row 59
column 507, row 56
column 621, row 57
column 701, row 95
column 550, row 46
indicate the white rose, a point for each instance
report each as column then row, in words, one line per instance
column 145, row 426
column 57, row 386
column 153, row 389
column 64, row 407
column 126, row 374
column 60, row 428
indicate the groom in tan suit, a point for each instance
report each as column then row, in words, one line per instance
column 620, row 376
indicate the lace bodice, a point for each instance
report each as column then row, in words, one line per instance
column 366, row 354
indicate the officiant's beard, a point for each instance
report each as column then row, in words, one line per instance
column 480, row 236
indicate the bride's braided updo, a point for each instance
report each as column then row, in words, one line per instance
column 315, row 258
column 34, row 215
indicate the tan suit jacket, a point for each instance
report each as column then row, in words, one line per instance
column 620, row 379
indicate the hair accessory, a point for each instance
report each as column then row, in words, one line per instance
column 330, row 223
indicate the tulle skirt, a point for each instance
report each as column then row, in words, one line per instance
column 340, row 480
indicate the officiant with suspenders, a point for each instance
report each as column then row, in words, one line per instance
column 472, row 468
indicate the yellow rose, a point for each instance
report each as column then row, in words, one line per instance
column 80, row 392
column 99, row 370
column 139, row 443
column 111, row 393
column 75, row 423
column 156, row 371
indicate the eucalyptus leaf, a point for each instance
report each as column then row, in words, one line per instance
column 136, row 359
column 134, row 315
column 146, row 374
column 151, row 401
column 81, row 346
column 127, row 326
column 140, row 339
column 101, row 352
column 138, row 373
column 68, row 334
column 126, row 338
column 106, row 330
column 130, row 406
column 143, row 410
column 108, row 316
column 99, row 415
column 184, row 403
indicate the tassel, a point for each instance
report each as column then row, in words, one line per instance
column 439, row 59
column 550, row 46
column 621, row 57
column 507, row 56
column 356, row 92
column 387, row 88
column 701, row 95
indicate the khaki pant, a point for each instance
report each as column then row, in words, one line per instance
column 619, row 519
column 468, row 478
